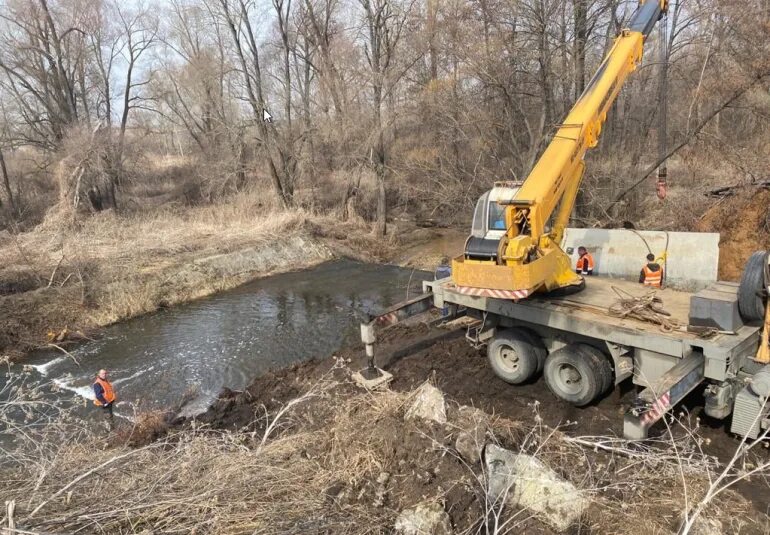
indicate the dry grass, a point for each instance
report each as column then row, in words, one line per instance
column 109, row 266
column 336, row 460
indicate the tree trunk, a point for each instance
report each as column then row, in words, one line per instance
column 379, row 163
column 7, row 185
column 432, row 8
column 581, row 35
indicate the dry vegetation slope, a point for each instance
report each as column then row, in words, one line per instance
column 743, row 221
column 333, row 459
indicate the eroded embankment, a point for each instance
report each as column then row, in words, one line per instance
column 102, row 298
column 111, row 267
column 743, row 222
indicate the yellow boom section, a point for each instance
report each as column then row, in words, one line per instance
column 529, row 257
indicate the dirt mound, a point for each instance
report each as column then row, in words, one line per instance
column 743, row 221
column 417, row 354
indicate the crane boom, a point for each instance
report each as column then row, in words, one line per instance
column 528, row 257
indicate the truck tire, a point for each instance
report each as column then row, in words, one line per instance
column 602, row 364
column 513, row 356
column 537, row 345
column 751, row 304
column 573, row 376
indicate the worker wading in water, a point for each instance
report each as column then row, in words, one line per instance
column 585, row 262
column 104, row 395
column 652, row 273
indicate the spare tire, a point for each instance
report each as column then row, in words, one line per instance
column 751, row 292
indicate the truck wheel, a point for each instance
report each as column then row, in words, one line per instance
column 537, row 345
column 602, row 364
column 572, row 375
column 750, row 302
column 513, row 356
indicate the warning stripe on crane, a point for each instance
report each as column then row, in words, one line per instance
column 487, row 292
column 658, row 409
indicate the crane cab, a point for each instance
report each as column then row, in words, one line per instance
column 488, row 225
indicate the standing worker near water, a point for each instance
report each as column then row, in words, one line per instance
column 104, row 395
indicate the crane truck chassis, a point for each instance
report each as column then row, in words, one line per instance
column 536, row 314
column 584, row 351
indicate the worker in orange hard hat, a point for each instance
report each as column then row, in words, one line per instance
column 652, row 273
column 585, row 262
column 104, row 394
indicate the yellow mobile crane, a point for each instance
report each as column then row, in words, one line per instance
column 527, row 257
column 710, row 341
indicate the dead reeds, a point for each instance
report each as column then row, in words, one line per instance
column 338, row 460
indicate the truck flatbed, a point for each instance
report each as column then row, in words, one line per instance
column 588, row 348
column 586, row 314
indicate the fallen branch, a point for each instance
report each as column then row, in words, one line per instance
column 726, row 191
column 70, row 355
column 53, row 274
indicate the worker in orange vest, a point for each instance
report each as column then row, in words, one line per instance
column 652, row 273
column 104, row 394
column 585, row 262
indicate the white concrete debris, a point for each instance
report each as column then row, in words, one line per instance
column 428, row 405
column 426, row 518
column 524, row 481
column 473, row 424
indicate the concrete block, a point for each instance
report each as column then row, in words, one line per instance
column 692, row 257
column 716, row 306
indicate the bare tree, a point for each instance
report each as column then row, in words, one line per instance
column 384, row 22
column 280, row 158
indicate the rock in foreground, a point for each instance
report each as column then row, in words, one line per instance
column 524, row 481
column 428, row 405
column 426, row 518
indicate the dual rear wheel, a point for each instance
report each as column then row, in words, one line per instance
column 576, row 373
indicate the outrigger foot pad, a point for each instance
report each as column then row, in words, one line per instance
column 372, row 378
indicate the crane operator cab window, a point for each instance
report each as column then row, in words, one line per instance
column 489, row 215
column 489, row 222
column 496, row 218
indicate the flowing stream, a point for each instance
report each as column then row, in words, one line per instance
column 230, row 338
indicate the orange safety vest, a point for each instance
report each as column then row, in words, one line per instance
column 587, row 257
column 653, row 278
column 109, row 393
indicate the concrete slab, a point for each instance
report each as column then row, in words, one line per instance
column 380, row 382
column 692, row 258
